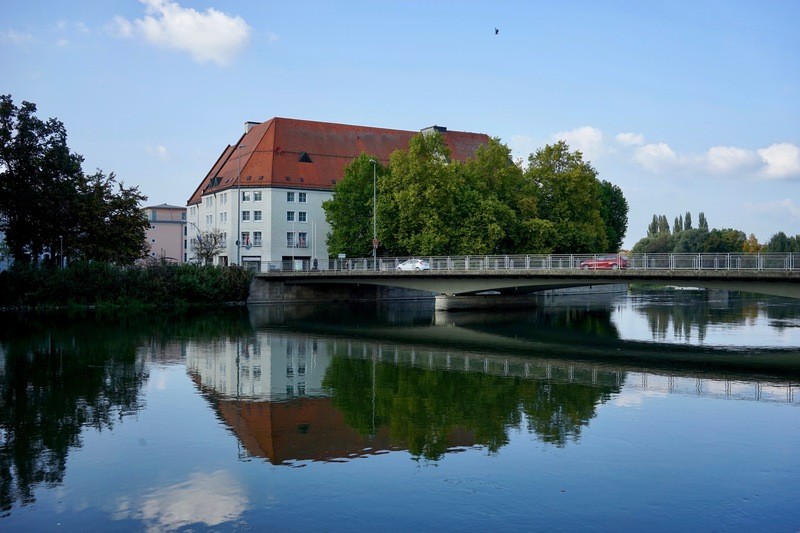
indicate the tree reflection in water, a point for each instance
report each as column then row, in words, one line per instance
column 427, row 411
column 60, row 375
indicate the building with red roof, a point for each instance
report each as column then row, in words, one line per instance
column 268, row 188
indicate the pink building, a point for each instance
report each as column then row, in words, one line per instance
column 166, row 235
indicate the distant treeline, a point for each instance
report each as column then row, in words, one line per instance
column 104, row 284
column 681, row 237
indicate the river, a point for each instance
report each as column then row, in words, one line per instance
column 647, row 410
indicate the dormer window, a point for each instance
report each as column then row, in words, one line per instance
column 304, row 158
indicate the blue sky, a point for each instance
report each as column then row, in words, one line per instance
column 686, row 105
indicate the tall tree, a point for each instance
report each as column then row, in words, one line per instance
column 702, row 223
column 614, row 211
column 37, row 172
column 652, row 228
column 687, row 221
column 349, row 211
column 568, row 195
column 47, row 203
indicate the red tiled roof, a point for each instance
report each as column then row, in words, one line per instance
column 270, row 153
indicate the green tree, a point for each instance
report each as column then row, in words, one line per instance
column 568, row 195
column 690, row 241
column 678, row 226
column 614, row 211
column 687, row 221
column 663, row 225
column 109, row 224
column 47, row 202
column 349, row 211
column 36, row 174
column 702, row 223
column 778, row 243
column 725, row 240
column 423, row 199
column 652, row 228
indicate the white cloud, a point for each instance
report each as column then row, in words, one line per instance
column 587, row 139
column 782, row 161
column 727, row 159
column 207, row 36
column 630, row 139
column 15, row 37
column 158, row 151
column 656, row 157
column 780, row 209
column 208, row 499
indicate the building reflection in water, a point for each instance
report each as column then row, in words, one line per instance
column 296, row 396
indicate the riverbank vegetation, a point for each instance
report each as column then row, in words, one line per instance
column 107, row 285
column 430, row 204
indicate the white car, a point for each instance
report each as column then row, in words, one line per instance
column 414, row 264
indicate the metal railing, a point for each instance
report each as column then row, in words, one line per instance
column 675, row 262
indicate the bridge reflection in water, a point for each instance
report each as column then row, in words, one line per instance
column 295, row 391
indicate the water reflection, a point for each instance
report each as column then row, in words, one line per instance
column 335, row 383
column 63, row 375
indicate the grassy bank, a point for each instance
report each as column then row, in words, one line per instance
column 103, row 284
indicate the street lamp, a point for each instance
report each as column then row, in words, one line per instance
column 239, row 205
column 374, row 213
column 61, row 253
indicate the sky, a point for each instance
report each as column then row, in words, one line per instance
column 687, row 106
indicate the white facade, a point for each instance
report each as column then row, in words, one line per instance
column 274, row 225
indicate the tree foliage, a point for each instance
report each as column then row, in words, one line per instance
column 568, row 196
column 48, row 204
column 429, row 204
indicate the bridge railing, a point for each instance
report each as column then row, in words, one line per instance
column 708, row 261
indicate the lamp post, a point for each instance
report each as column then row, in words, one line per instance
column 374, row 213
column 61, row 253
column 239, row 206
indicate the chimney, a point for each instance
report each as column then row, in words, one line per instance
column 248, row 125
column 431, row 129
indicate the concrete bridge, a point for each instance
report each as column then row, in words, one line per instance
column 485, row 281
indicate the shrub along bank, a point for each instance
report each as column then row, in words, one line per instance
column 97, row 283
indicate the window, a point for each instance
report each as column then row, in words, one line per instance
column 209, row 201
column 245, row 196
column 245, row 216
column 209, row 220
column 302, row 239
column 301, row 216
column 290, row 197
column 290, row 239
column 223, row 239
column 257, row 196
column 246, row 238
column 223, row 199
column 256, row 238
column 301, row 197
column 183, row 215
column 256, row 215
column 289, row 216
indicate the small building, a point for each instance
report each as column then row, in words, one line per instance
column 264, row 194
column 167, row 236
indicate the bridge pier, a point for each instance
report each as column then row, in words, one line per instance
column 456, row 302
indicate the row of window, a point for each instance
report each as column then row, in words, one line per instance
column 256, row 196
column 291, row 216
column 294, row 239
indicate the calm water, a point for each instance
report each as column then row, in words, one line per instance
column 655, row 411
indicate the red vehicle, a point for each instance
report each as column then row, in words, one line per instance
column 605, row 262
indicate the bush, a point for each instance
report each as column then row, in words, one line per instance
column 96, row 283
